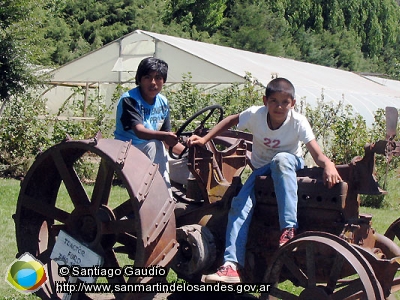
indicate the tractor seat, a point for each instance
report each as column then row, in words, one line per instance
column 318, row 208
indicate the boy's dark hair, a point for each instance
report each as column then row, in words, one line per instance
column 281, row 85
column 151, row 64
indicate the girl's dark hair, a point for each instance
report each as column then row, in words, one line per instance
column 281, row 85
column 151, row 64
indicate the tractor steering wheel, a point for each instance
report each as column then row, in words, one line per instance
column 180, row 132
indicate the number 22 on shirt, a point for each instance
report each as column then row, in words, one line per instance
column 271, row 143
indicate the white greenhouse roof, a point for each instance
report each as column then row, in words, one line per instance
column 213, row 65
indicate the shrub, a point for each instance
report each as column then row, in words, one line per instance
column 84, row 118
column 23, row 133
column 26, row 129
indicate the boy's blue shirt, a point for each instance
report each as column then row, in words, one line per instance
column 132, row 109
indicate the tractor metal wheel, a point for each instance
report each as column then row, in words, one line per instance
column 393, row 232
column 196, row 253
column 131, row 224
column 321, row 266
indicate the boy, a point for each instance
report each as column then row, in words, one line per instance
column 277, row 135
column 143, row 115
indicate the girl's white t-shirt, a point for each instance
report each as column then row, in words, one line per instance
column 266, row 142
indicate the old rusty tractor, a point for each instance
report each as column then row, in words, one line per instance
column 127, row 217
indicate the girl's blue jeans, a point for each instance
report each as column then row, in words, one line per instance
column 282, row 169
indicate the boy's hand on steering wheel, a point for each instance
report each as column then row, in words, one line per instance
column 195, row 140
column 170, row 139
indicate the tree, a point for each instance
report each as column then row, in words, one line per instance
column 374, row 22
column 15, row 73
column 207, row 15
column 252, row 27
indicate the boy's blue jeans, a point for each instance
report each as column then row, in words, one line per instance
column 156, row 152
column 282, row 169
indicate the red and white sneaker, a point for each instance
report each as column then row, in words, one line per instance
column 287, row 234
column 224, row 274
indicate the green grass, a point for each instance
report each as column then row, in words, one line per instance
column 9, row 190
